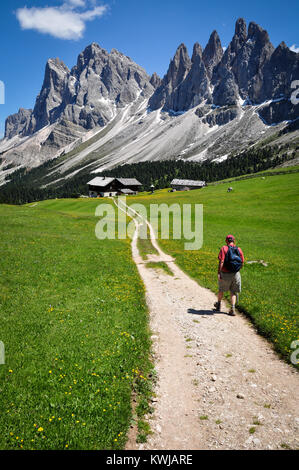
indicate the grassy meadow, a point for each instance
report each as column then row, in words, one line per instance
column 73, row 315
column 75, row 328
column 262, row 213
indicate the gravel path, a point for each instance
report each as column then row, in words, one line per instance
column 220, row 384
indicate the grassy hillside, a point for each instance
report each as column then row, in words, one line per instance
column 73, row 314
column 46, row 182
column 74, row 325
column 263, row 215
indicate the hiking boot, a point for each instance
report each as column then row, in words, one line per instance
column 217, row 306
column 232, row 312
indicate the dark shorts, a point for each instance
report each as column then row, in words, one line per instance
column 230, row 282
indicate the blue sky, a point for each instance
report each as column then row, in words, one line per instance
column 149, row 31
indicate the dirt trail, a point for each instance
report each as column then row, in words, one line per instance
column 220, row 385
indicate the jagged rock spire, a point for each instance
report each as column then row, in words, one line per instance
column 257, row 33
column 18, row 123
column 179, row 66
column 177, row 72
column 241, row 29
column 197, row 51
column 155, row 80
column 51, row 97
column 213, row 53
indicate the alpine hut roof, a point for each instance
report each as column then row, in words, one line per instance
column 101, row 181
column 187, row 183
column 127, row 191
column 129, row 181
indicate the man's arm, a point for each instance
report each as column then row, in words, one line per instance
column 220, row 266
column 242, row 258
column 221, row 258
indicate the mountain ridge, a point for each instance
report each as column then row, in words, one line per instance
column 240, row 95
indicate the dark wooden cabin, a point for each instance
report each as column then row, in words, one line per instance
column 105, row 186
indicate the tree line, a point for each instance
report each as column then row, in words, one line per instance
column 25, row 186
column 160, row 174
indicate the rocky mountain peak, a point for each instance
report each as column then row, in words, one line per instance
column 278, row 74
column 181, row 52
column 116, row 53
column 104, row 83
column 238, row 40
column 256, row 33
column 55, row 70
column 179, row 66
column 197, row 52
column 213, row 53
column 48, row 102
column 90, row 57
column 94, row 91
column 195, row 88
column 177, row 72
column 17, row 124
column 241, row 29
column 155, row 80
column 92, row 50
column 282, row 46
column 250, row 61
column 181, row 58
column 56, row 63
column 283, row 53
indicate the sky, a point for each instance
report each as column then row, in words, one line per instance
column 148, row 31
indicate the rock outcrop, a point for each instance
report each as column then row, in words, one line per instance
column 18, row 124
column 221, row 116
column 164, row 96
column 100, row 84
column 155, row 80
column 279, row 73
column 212, row 54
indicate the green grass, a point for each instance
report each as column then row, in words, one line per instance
column 263, row 215
column 144, row 430
column 145, row 246
column 160, row 265
column 75, row 328
column 256, row 422
column 260, row 174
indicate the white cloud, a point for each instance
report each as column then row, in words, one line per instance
column 64, row 22
column 91, row 14
column 294, row 48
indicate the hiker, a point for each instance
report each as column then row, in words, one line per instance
column 231, row 260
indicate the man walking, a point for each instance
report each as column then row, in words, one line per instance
column 231, row 260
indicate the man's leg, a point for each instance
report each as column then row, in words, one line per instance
column 222, row 286
column 235, row 288
column 217, row 305
column 233, row 299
